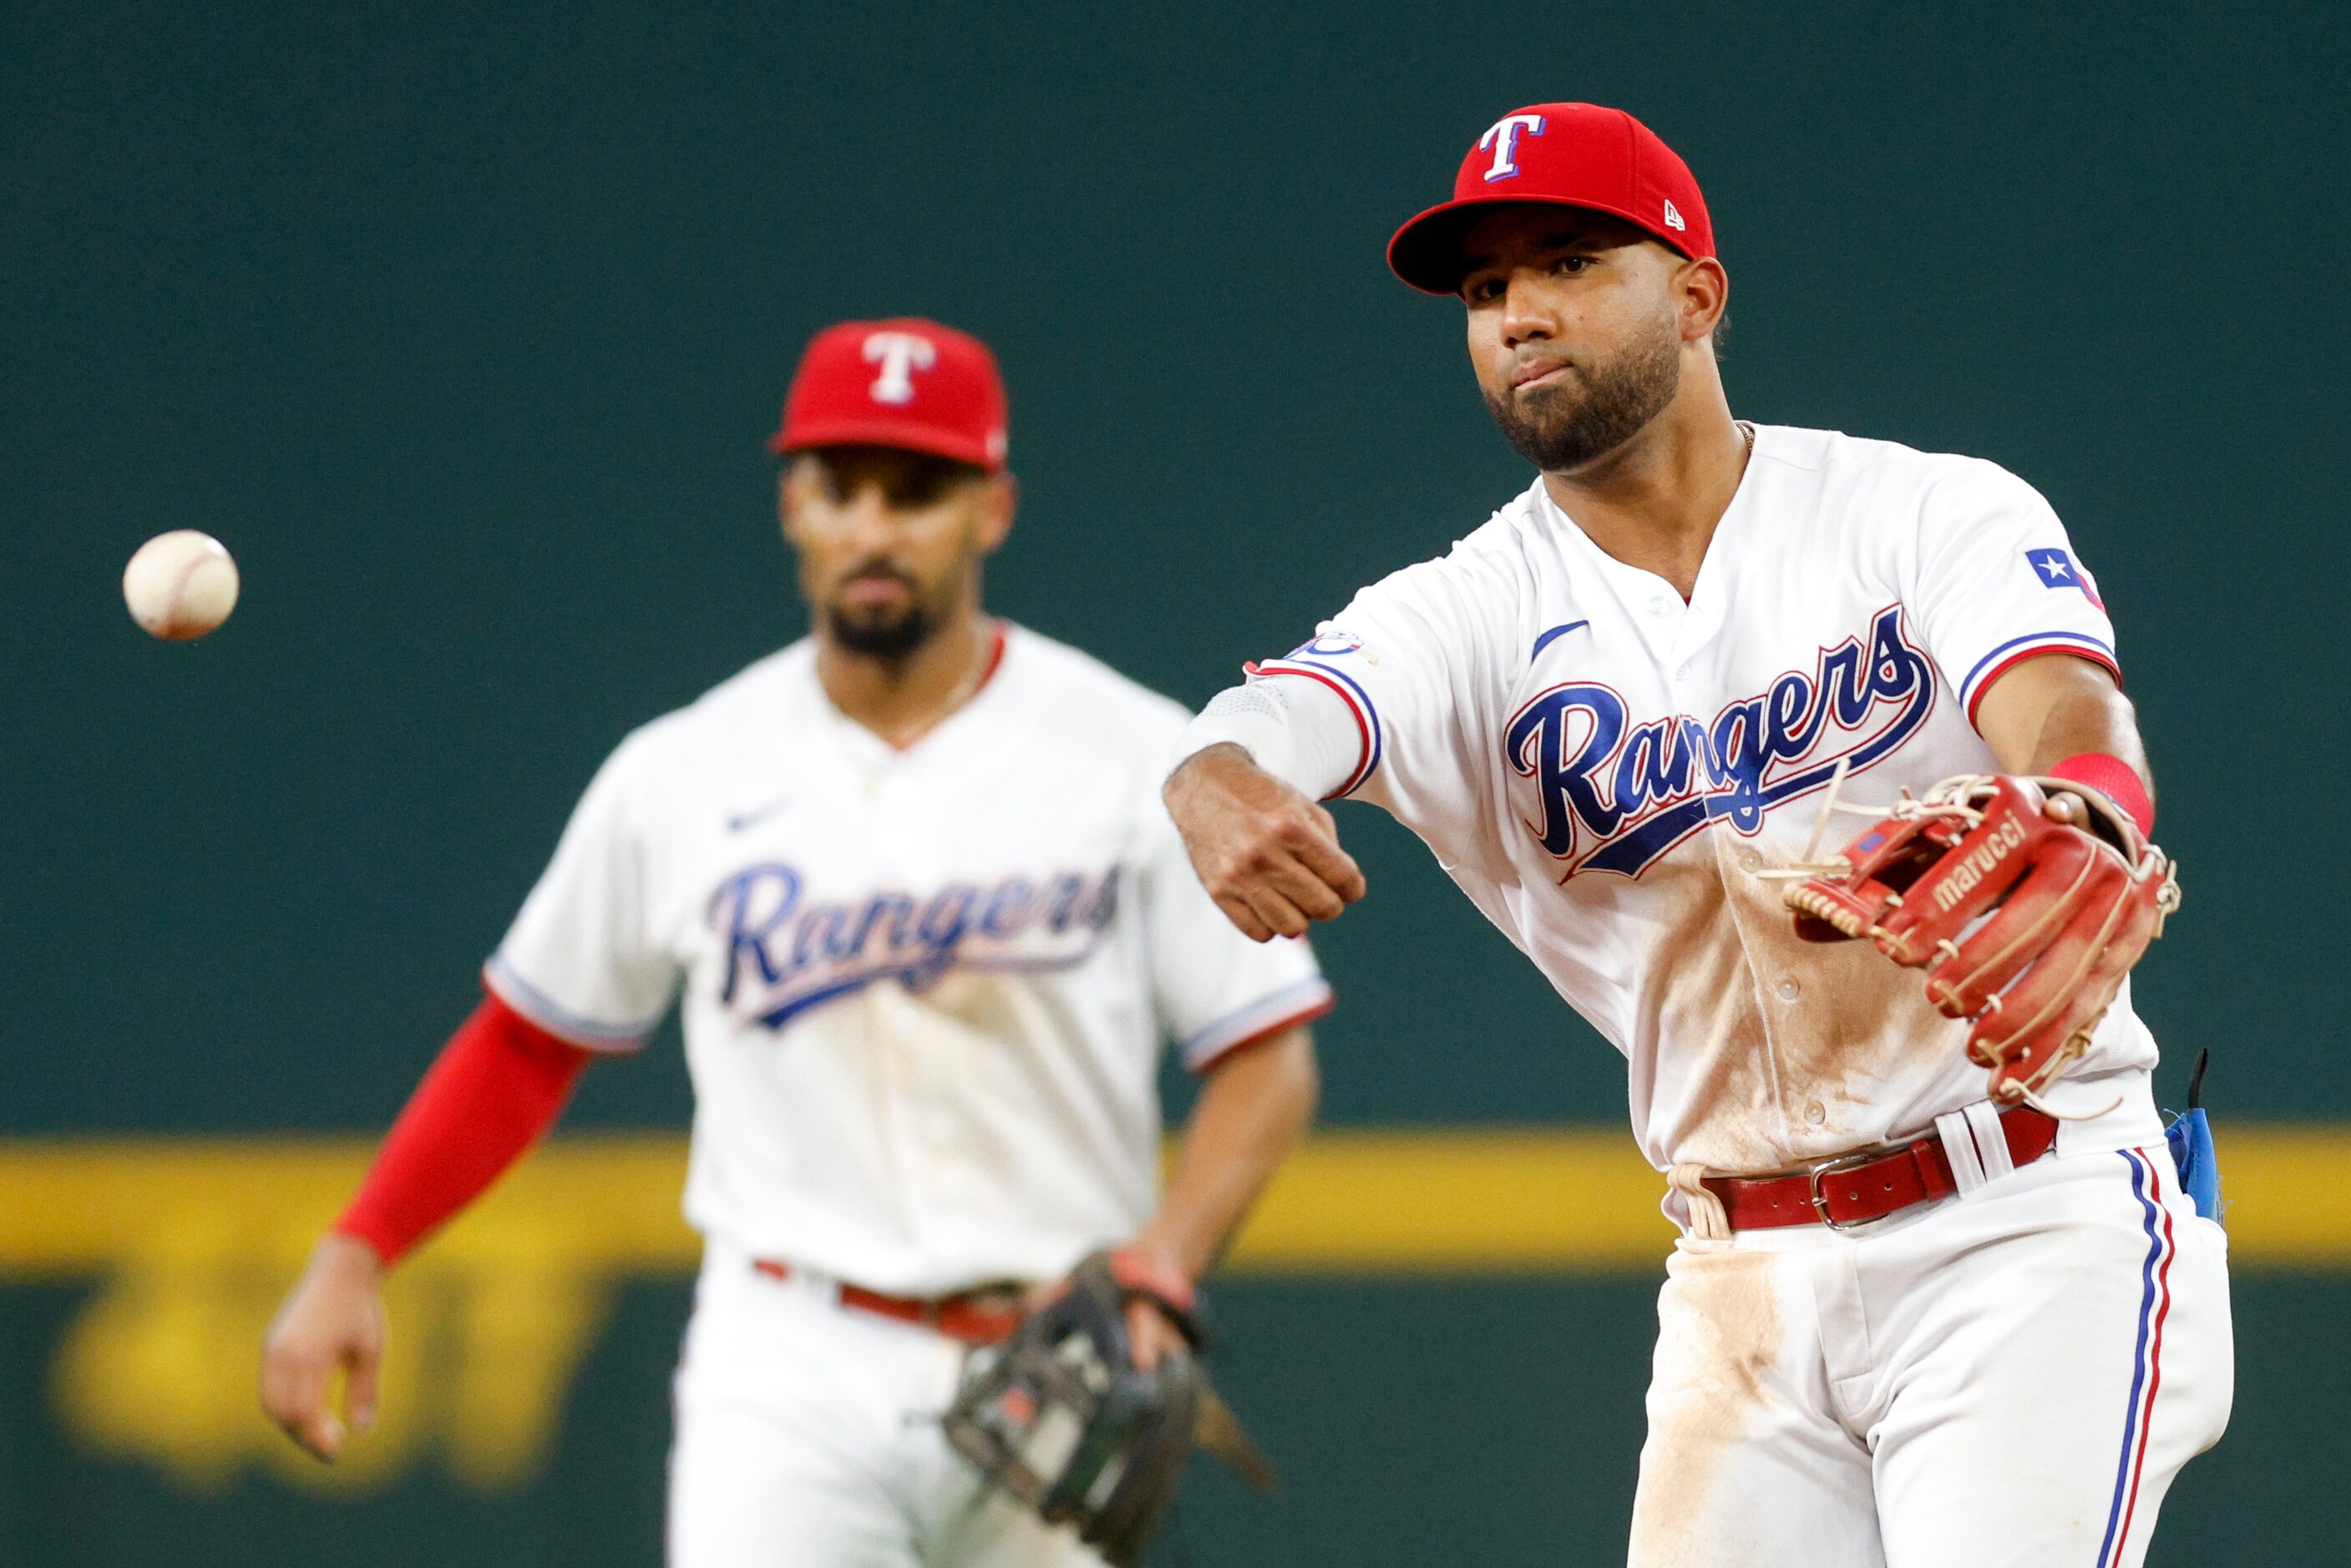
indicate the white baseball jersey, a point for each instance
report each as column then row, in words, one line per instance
column 925, row 990
column 1605, row 769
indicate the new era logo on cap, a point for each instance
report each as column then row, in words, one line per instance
column 1673, row 218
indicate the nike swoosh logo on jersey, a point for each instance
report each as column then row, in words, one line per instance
column 743, row 819
column 1556, row 632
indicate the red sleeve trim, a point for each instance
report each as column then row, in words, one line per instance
column 1364, row 753
column 1306, row 1014
column 540, row 1010
column 2079, row 651
column 495, row 1090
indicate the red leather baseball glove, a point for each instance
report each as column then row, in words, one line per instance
column 2023, row 923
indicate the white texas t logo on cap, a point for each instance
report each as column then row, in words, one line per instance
column 899, row 354
column 1502, row 136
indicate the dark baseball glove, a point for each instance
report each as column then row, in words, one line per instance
column 1059, row 1414
column 2025, row 924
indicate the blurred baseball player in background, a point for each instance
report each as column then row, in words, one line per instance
column 933, row 928
column 1920, row 1315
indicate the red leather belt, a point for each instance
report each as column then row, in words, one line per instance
column 973, row 1317
column 1855, row 1189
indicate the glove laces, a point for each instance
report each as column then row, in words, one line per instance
column 1949, row 801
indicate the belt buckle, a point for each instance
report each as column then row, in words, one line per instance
column 1831, row 1167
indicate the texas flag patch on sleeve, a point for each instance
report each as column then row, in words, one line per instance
column 2057, row 569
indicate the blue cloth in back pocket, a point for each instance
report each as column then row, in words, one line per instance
column 2191, row 1137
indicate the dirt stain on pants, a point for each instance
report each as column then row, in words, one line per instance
column 1720, row 1332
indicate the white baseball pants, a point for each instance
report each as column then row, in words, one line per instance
column 2007, row 1379
column 807, row 1436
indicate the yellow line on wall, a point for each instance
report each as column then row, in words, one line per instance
column 188, row 1245
column 1457, row 1202
column 1353, row 1202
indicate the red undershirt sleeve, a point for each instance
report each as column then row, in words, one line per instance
column 495, row 1089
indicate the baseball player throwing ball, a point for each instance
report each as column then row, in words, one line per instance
column 1940, row 1298
column 930, row 927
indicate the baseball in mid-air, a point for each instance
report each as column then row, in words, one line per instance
column 180, row 585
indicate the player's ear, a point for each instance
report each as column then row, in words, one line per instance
column 999, row 501
column 1702, row 291
column 791, row 486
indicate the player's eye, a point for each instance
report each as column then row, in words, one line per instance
column 1571, row 266
column 1482, row 290
column 917, row 487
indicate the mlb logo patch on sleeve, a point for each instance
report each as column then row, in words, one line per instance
column 2056, row 570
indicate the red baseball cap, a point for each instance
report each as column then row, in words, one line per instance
column 1569, row 154
column 905, row 382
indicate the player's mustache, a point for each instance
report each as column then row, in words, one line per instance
column 878, row 570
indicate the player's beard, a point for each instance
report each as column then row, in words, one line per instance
column 891, row 633
column 1559, row 429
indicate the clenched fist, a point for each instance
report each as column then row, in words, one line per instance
column 1267, row 855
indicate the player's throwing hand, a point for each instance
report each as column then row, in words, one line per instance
column 333, row 1322
column 1267, row 855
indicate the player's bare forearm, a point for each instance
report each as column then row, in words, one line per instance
column 2048, row 709
column 495, row 1089
column 1253, row 1109
column 1267, row 855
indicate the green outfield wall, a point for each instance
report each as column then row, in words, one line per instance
column 462, row 326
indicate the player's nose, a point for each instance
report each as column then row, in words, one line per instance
column 868, row 519
column 1527, row 315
